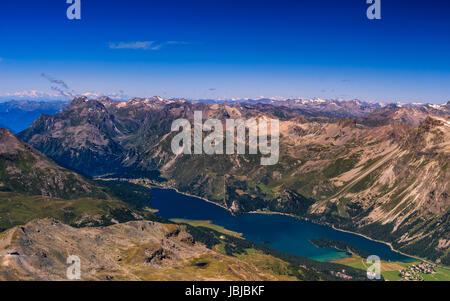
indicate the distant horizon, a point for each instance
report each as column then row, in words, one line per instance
column 236, row 100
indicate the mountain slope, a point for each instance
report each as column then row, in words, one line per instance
column 25, row 170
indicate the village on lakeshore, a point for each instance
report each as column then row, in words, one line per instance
column 412, row 273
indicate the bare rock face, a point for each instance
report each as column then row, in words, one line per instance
column 39, row 250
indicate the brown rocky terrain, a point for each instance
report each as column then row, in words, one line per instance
column 38, row 250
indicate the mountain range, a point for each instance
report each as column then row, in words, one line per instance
column 379, row 170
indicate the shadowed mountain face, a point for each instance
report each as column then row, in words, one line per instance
column 82, row 138
column 384, row 174
column 25, row 170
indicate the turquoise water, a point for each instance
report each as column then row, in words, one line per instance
column 283, row 233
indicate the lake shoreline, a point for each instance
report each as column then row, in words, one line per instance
column 198, row 197
column 299, row 218
column 341, row 230
column 155, row 185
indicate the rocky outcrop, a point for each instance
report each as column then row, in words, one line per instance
column 39, row 250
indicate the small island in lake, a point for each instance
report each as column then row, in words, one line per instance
column 339, row 245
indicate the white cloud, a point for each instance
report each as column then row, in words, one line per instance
column 30, row 94
column 1, row 59
column 57, row 95
column 144, row 45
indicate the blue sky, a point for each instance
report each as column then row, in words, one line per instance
column 224, row 49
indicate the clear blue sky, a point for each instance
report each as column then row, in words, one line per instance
column 232, row 48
